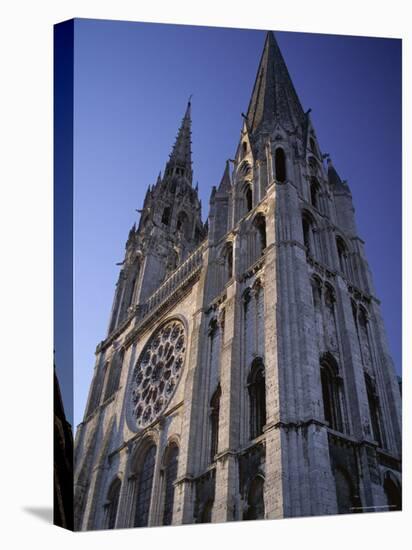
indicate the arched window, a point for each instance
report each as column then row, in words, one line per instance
column 280, row 165
column 228, row 260
column 132, row 285
column 312, row 146
column 331, row 394
column 97, row 388
column 373, row 402
column 214, row 423
column 248, row 197
column 112, row 504
column 144, row 488
column 347, row 498
column 331, row 331
column 316, row 292
column 313, row 165
column 343, row 255
column 172, row 262
column 314, row 192
column 393, row 492
column 170, row 475
column 308, row 228
column 182, row 224
column 260, row 225
column 257, row 398
column 166, row 215
column 362, row 326
column 255, row 501
column 244, row 148
column 115, row 369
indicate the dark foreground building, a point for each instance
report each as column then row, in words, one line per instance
column 63, row 463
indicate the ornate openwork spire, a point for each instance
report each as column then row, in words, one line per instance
column 274, row 98
column 180, row 161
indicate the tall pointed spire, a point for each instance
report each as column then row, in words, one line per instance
column 274, row 98
column 225, row 182
column 180, row 161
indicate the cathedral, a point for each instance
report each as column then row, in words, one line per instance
column 245, row 373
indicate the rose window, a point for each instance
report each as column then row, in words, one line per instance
column 157, row 372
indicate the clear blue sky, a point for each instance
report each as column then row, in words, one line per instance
column 132, row 81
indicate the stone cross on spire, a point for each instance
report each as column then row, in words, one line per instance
column 180, row 161
column 274, row 98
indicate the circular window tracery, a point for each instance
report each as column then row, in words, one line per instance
column 157, row 372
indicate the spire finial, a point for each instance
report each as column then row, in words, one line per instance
column 225, row 183
column 274, row 98
column 180, row 161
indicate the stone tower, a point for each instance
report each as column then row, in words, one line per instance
column 245, row 373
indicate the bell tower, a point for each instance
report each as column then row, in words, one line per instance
column 170, row 227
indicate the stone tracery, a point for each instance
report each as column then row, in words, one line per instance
column 157, row 372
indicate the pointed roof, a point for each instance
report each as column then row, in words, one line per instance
column 335, row 181
column 274, row 98
column 225, row 183
column 333, row 176
column 181, row 154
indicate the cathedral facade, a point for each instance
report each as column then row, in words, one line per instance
column 245, row 373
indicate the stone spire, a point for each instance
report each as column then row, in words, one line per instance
column 225, row 183
column 180, row 161
column 333, row 177
column 274, row 98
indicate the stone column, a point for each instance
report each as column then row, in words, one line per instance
column 226, row 495
column 190, row 457
column 123, row 508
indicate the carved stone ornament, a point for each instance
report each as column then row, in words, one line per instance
column 157, row 373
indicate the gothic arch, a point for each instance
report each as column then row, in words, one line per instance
column 330, row 294
column 314, row 192
column 374, row 409
column 169, row 475
column 248, row 195
column 343, row 254
column 112, row 503
column 312, row 146
column 244, row 170
column 316, row 285
column 255, row 507
column 257, row 397
column 243, row 149
column 259, row 225
column 183, row 224
column 214, row 422
column 280, row 165
column 227, row 257
column 166, row 215
column 331, row 391
column 313, row 164
column 142, row 470
column 309, row 227
column 139, row 450
column 114, row 372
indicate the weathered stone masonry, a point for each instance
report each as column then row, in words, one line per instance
column 245, row 373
